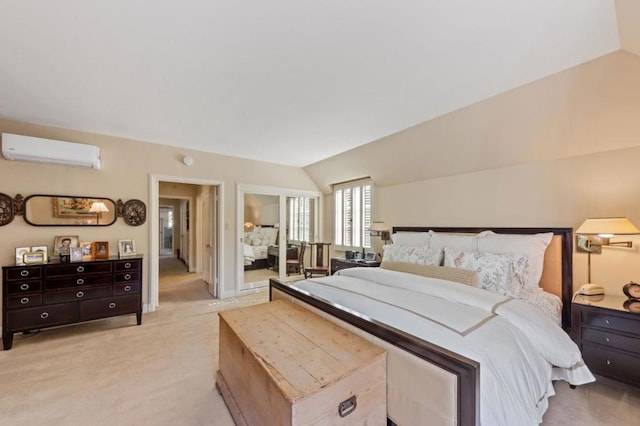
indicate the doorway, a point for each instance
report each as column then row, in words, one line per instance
column 197, row 240
column 166, row 230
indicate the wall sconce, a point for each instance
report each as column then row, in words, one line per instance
column 596, row 233
column 248, row 226
column 97, row 208
column 379, row 229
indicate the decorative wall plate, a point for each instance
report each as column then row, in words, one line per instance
column 7, row 209
column 134, row 213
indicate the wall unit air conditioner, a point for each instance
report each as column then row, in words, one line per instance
column 28, row 148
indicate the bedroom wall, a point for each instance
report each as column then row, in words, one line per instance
column 551, row 153
column 127, row 165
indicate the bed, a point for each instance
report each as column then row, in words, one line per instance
column 256, row 245
column 419, row 353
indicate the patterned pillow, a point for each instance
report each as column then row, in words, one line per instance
column 407, row 254
column 500, row 273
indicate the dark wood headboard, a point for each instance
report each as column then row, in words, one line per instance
column 566, row 234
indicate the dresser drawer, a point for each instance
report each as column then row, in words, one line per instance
column 123, row 277
column 611, row 363
column 124, row 288
column 75, row 268
column 110, row 306
column 613, row 322
column 77, row 281
column 20, row 287
column 42, row 316
column 24, row 301
column 81, row 294
column 127, row 265
column 614, row 340
column 27, row 272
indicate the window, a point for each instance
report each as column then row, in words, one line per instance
column 353, row 202
column 299, row 218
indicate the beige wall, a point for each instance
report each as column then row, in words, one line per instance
column 127, row 165
column 551, row 153
column 628, row 13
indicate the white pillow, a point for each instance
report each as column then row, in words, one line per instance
column 500, row 273
column 411, row 239
column 533, row 246
column 418, row 255
column 440, row 240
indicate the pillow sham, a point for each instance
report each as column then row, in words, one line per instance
column 463, row 276
column 411, row 239
column 419, row 255
column 533, row 246
column 500, row 273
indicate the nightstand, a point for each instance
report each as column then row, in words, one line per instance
column 338, row 263
column 608, row 336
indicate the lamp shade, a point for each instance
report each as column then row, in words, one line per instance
column 608, row 226
column 378, row 226
column 98, row 207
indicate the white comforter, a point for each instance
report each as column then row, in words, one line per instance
column 519, row 349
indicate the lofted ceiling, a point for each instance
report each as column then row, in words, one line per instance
column 284, row 81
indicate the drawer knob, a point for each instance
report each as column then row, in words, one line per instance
column 607, row 321
column 607, row 339
column 24, row 287
column 24, row 300
column 44, row 315
column 79, row 294
column 127, row 277
column 127, row 265
column 24, row 273
column 80, row 268
column 79, row 281
column 127, row 288
column 608, row 362
column 112, row 305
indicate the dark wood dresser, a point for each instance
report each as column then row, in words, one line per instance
column 53, row 294
column 608, row 336
column 340, row 263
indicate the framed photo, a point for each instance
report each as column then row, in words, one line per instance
column 87, row 250
column 34, row 257
column 76, row 254
column 63, row 243
column 73, row 207
column 20, row 251
column 101, row 250
column 41, row 249
column 126, row 248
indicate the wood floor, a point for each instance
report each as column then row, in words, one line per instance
column 113, row 372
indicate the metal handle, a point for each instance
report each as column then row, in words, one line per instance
column 24, row 300
column 607, row 321
column 608, row 362
column 127, row 277
column 24, row 287
column 127, row 265
column 24, row 273
column 347, row 406
column 79, row 281
column 80, row 269
column 44, row 315
column 127, row 288
column 79, row 294
column 607, row 339
column 112, row 305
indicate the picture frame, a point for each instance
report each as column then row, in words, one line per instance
column 76, row 254
column 101, row 250
column 76, row 207
column 41, row 249
column 126, row 248
column 60, row 242
column 88, row 250
column 32, row 257
column 20, row 251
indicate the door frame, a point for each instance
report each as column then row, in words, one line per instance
column 282, row 193
column 153, row 295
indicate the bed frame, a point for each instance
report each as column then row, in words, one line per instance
column 557, row 278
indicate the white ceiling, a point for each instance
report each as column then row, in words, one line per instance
column 285, row 81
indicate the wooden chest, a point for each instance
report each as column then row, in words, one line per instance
column 283, row 365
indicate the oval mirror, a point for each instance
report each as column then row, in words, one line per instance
column 64, row 210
